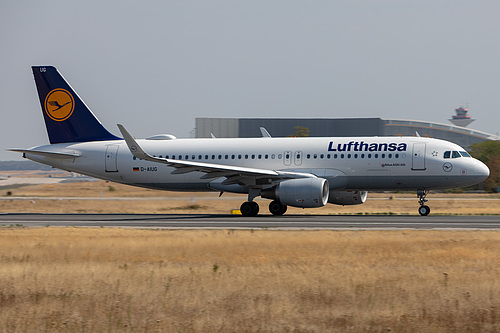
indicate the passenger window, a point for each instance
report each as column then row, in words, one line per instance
column 213, row 157
column 193, row 157
column 226, row 157
column 334, row 155
column 246, row 157
column 187, row 157
column 308, row 156
column 383, row 155
column 239, row 157
column 180, row 157
column 220, row 157
column 355, row 155
column 341, row 155
column 280, row 156
column 315, row 156
column 272, row 156
column 232, row 157
column 253, row 157
column 260, row 156
column 267, row 156
column 362, row 155
column 376, row 155
column 455, row 154
column 447, row 154
column 464, row 154
column 390, row 156
column 369, row 155
column 328, row 156
column 321, row 156
column 348, row 155
column 396, row 155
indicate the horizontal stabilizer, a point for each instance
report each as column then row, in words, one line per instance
column 46, row 153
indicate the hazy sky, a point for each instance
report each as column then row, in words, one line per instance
column 155, row 66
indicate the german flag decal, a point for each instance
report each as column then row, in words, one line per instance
column 136, row 169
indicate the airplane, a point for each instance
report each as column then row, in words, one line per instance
column 299, row 172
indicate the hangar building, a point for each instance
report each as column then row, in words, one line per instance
column 328, row 127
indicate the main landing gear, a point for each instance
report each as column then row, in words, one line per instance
column 251, row 208
column 277, row 208
column 423, row 210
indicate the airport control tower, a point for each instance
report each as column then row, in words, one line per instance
column 461, row 118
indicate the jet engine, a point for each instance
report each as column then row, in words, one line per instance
column 347, row 197
column 302, row 192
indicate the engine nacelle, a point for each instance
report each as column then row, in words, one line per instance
column 347, row 197
column 302, row 192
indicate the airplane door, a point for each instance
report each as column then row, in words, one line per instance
column 111, row 164
column 418, row 157
column 298, row 158
column 287, row 158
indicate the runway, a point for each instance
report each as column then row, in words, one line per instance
column 209, row 221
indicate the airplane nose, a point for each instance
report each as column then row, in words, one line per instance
column 481, row 171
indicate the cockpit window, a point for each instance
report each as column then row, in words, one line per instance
column 455, row 154
column 464, row 154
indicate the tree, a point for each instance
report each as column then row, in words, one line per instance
column 489, row 153
column 300, row 131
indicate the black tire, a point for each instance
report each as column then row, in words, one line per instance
column 249, row 208
column 277, row 208
column 424, row 210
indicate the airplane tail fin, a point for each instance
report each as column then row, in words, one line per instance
column 67, row 118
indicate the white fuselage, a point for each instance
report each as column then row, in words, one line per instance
column 357, row 163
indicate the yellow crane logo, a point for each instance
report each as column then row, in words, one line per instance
column 59, row 104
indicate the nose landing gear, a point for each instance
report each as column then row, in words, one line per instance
column 423, row 210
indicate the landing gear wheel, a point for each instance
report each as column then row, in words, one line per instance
column 424, row 210
column 277, row 208
column 249, row 208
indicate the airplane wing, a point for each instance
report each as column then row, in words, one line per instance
column 233, row 174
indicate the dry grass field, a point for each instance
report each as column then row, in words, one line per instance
column 121, row 280
column 106, row 197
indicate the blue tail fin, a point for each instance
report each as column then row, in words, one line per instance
column 67, row 118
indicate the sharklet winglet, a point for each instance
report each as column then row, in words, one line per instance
column 133, row 146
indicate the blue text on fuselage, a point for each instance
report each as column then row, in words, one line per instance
column 363, row 146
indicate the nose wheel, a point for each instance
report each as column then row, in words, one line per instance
column 423, row 210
